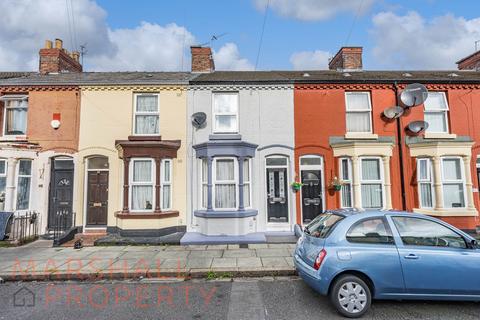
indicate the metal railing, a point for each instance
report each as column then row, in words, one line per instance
column 24, row 227
column 64, row 223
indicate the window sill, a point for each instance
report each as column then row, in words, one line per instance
column 226, row 214
column 439, row 135
column 149, row 137
column 14, row 138
column 361, row 135
column 453, row 212
column 147, row 215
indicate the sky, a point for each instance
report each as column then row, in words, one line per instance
column 155, row 35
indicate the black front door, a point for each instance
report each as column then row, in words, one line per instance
column 61, row 193
column 277, row 195
column 97, row 198
column 311, row 194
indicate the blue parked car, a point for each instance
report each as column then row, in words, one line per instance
column 355, row 257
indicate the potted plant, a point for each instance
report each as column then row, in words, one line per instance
column 296, row 185
column 336, row 184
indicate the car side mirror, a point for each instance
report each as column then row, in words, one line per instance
column 474, row 244
column 297, row 230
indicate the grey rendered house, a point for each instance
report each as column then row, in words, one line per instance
column 241, row 162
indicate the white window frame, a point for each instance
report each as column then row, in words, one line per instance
column 4, row 174
column 215, row 114
column 145, row 113
column 369, row 110
column 458, row 181
column 428, row 180
column 223, row 182
column 204, row 183
column 131, row 183
column 6, row 99
column 381, row 181
column 348, row 181
column 249, row 160
column 17, row 184
column 164, row 182
column 437, row 111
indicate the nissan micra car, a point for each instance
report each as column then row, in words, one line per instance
column 355, row 257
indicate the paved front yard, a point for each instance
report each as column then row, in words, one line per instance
column 41, row 262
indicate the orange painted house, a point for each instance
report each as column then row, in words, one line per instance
column 343, row 138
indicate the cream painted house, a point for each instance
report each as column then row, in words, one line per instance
column 131, row 163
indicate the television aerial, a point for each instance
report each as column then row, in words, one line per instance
column 213, row 38
column 414, row 94
column 393, row 112
column 199, row 119
column 417, row 126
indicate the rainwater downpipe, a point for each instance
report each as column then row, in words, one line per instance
column 400, row 150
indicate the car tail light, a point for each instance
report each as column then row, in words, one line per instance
column 319, row 260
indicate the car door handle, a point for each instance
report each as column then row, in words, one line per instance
column 411, row 256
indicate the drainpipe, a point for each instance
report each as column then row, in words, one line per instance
column 400, row 150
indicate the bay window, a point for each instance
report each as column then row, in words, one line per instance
column 346, row 177
column 436, row 112
column 425, row 182
column 453, row 183
column 358, row 112
column 246, row 183
column 371, row 182
column 146, row 114
column 15, row 119
column 204, row 180
column 142, row 183
column 166, row 184
column 225, row 112
column 24, row 179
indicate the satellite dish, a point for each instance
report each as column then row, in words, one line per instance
column 393, row 112
column 414, row 95
column 417, row 126
column 199, row 119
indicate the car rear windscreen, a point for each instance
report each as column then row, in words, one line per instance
column 322, row 225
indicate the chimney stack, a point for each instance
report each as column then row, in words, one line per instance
column 347, row 59
column 57, row 59
column 202, row 59
column 472, row 62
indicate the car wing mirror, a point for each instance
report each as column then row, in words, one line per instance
column 474, row 244
column 297, row 230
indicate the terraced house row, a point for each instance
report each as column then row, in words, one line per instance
column 120, row 150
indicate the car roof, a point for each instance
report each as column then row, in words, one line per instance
column 347, row 212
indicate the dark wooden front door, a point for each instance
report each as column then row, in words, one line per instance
column 97, row 198
column 61, row 194
column 277, row 195
column 311, row 194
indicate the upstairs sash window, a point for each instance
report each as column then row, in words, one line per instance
column 359, row 112
column 146, row 114
column 225, row 112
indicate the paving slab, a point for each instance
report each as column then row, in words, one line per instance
column 199, row 263
column 274, row 262
column 249, row 262
column 217, row 247
column 258, row 246
column 239, row 253
column 205, row 254
column 224, row 263
column 172, row 254
column 273, row 253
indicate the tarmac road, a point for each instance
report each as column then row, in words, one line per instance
column 264, row 298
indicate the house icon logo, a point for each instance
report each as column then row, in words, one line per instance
column 24, row 298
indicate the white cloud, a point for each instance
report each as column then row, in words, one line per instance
column 312, row 10
column 228, row 58
column 26, row 24
column 310, row 60
column 412, row 42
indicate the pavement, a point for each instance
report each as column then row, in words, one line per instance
column 233, row 299
column 38, row 261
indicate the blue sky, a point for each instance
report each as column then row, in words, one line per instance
column 299, row 34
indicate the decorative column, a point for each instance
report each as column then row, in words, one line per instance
column 468, row 182
column 357, row 201
column 437, row 183
column 240, row 184
column 387, row 182
column 126, row 166
column 10, row 187
column 157, row 184
column 209, row 184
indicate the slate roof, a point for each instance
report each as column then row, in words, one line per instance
column 99, row 78
column 238, row 77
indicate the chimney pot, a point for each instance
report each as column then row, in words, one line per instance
column 347, row 58
column 58, row 43
column 48, row 44
column 202, row 59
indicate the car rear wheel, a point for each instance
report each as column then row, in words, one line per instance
column 351, row 296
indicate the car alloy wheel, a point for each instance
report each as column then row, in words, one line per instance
column 352, row 297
